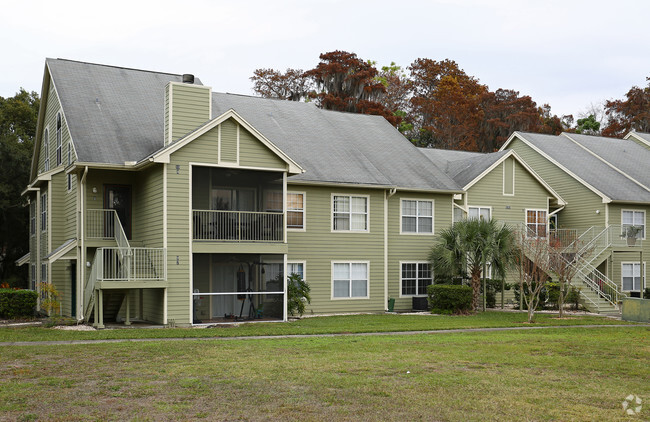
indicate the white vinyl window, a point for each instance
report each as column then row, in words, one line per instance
column 58, row 139
column 296, row 268
column 479, row 213
column 536, row 223
column 46, row 149
column 69, row 184
column 631, row 276
column 33, row 278
column 417, row 216
column 415, row 277
column 44, row 212
column 634, row 218
column 295, row 210
column 349, row 280
column 349, row 213
column 44, row 273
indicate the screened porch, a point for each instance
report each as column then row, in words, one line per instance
column 237, row 287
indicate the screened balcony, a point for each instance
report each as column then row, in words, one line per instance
column 230, row 205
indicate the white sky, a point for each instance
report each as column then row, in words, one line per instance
column 566, row 53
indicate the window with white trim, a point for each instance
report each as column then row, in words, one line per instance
column 58, row 139
column 631, row 276
column 44, row 212
column 536, row 223
column 69, row 182
column 635, row 218
column 32, row 218
column 349, row 213
column 69, row 153
column 43, row 273
column 417, row 216
column 415, row 277
column 349, row 280
column 46, row 149
column 295, row 210
column 479, row 213
column 296, row 268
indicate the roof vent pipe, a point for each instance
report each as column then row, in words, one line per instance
column 188, row 78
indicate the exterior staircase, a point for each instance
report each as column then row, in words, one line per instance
column 119, row 263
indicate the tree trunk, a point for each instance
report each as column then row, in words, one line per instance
column 476, row 287
column 561, row 301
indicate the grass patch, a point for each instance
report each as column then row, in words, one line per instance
column 316, row 325
column 580, row 374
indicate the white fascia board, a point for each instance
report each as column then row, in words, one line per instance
column 606, row 199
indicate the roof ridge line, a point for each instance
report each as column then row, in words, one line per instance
column 115, row 67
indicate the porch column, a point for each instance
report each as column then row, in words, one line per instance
column 127, row 320
column 99, row 306
column 95, row 312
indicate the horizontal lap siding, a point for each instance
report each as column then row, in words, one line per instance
column 203, row 150
column 318, row 246
column 255, row 154
column 228, row 141
column 582, row 203
column 408, row 247
column 615, row 219
column 190, row 108
column 152, row 309
column 148, row 207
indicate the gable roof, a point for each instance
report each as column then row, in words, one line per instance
column 336, row 147
column 114, row 114
column 592, row 164
column 641, row 136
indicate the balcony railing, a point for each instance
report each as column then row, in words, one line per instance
column 132, row 264
column 105, row 224
column 238, row 226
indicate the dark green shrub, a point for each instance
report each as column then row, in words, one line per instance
column 493, row 287
column 17, row 303
column 446, row 298
column 542, row 295
column 552, row 295
column 573, row 297
column 297, row 295
column 646, row 293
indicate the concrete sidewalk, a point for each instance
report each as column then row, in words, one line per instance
column 389, row 333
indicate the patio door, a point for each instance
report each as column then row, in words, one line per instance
column 118, row 198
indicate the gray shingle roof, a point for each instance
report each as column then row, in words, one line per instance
column 114, row 114
column 461, row 166
column 642, row 135
column 591, row 169
column 337, row 147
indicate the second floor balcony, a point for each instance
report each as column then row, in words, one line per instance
column 238, row 226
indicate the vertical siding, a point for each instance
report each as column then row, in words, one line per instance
column 319, row 246
column 410, row 247
column 582, row 203
column 228, row 145
column 190, row 108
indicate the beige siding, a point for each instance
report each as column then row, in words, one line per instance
column 148, row 207
column 319, row 246
column 190, row 108
column 52, row 108
column 410, row 247
column 582, row 203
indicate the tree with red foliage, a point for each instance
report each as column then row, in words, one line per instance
column 632, row 113
column 292, row 85
column 347, row 83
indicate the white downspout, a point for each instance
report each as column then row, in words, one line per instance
column 81, row 261
column 387, row 195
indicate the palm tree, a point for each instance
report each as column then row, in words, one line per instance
column 468, row 247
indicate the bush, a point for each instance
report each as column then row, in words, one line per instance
column 553, row 295
column 573, row 297
column 646, row 293
column 446, row 298
column 297, row 295
column 17, row 303
column 493, row 287
column 542, row 296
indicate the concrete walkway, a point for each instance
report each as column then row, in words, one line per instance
column 389, row 333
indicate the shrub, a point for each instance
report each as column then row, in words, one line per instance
column 493, row 287
column 646, row 293
column 542, row 295
column 297, row 295
column 17, row 303
column 446, row 298
column 573, row 297
column 553, row 295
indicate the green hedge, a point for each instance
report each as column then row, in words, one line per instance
column 449, row 298
column 17, row 303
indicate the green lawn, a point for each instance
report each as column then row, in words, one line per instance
column 565, row 374
column 316, row 325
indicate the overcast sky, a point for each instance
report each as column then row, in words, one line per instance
column 567, row 53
